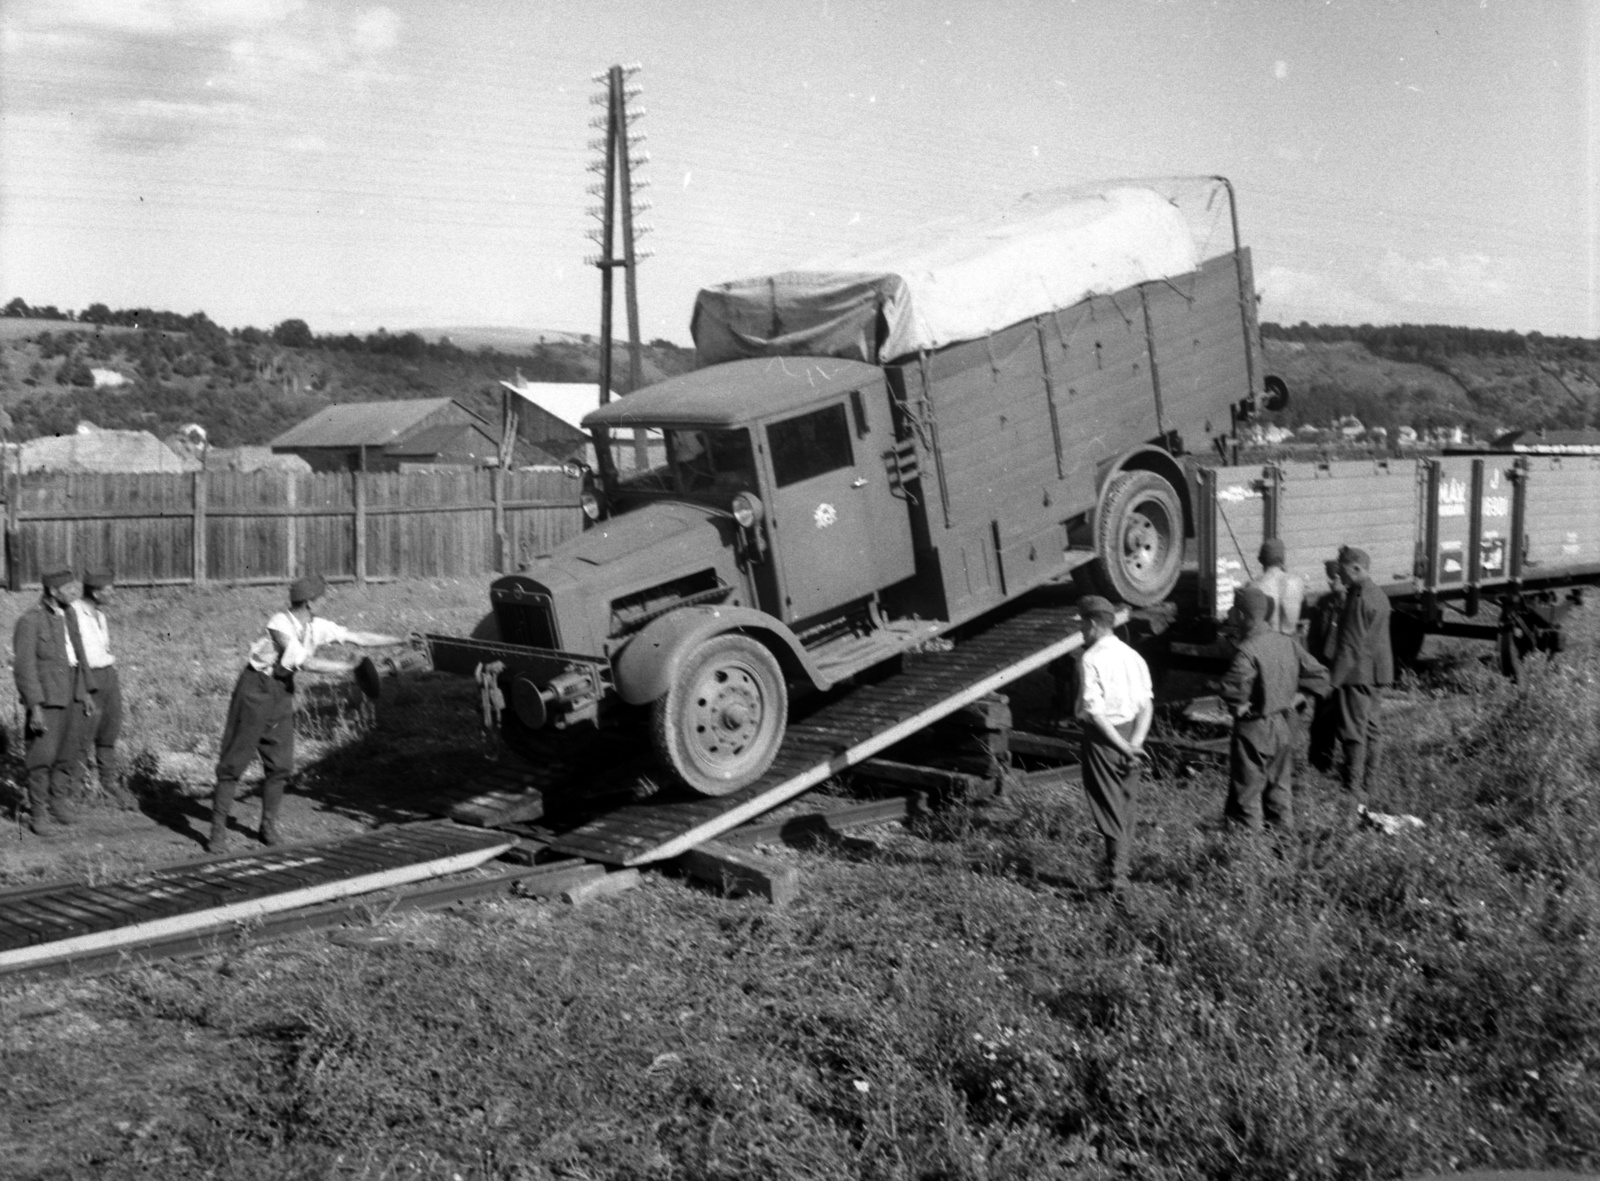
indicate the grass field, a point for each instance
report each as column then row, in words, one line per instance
column 952, row 1001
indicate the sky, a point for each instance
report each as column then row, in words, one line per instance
column 423, row 163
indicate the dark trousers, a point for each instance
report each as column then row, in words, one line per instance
column 260, row 721
column 1323, row 751
column 1261, row 773
column 52, row 756
column 1110, row 780
column 1359, row 736
column 108, row 726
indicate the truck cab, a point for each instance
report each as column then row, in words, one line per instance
column 743, row 522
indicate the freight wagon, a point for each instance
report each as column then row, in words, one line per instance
column 1486, row 545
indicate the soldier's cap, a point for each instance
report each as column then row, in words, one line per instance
column 1252, row 603
column 1099, row 609
column 95, row 579
column 57, row 578
column 1272, row 552
column 303, row 590
column 1349, row 555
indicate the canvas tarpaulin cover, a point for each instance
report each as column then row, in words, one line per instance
column 950, row 281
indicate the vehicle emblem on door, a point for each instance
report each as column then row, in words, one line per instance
column 825, row 515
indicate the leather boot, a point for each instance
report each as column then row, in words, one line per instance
column 111, row 782
column 271, row 801
column 39, row 818
column 1369, row 773
column 221, row 809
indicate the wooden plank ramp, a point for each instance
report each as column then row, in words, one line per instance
column 848, row 728
column 49, row 923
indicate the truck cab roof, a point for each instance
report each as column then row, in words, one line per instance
column 736, row 392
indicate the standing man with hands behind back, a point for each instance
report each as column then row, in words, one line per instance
column 261, row 713
column 52, row 681
column 1363, row 662
column 1115, row 707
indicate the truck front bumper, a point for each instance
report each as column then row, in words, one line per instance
column 542, row 686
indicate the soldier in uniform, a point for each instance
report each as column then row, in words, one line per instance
column 1270, row 671
column 50, row 668
column 104, row 682
column 1322, row 639
column 1115, row 707
column 261, row 713
column 1363, row 663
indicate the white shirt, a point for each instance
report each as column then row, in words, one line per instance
column 1113, row 682
column 1288, row 594
column 96, row 636
column 300, row 642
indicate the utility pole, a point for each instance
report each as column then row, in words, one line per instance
column 617, row 189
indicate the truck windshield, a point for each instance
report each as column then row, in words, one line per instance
column 682, row 462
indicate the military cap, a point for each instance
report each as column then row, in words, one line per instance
column 1272, row 552
column 56, row 578
column 303, row 590
column 95, row 579
column 1349, row 555
column 1252, row 603
column 1099, row 609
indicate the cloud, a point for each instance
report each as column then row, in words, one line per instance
column 1465, row 281
column 1290, row 296
column 153, row 74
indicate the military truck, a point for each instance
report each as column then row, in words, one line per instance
column 876, row 451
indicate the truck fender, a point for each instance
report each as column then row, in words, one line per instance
column 645, row 668
column 1149, row 459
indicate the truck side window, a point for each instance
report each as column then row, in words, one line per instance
column 810, row 445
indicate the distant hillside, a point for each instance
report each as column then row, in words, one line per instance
column 247, row 386
column 1427, row 376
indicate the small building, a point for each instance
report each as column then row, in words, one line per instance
column 386, row 436
column 550, row 415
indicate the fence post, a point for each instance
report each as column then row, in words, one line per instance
column 292, row 530
column 361, row 526
column 200, row 491
column 499, row 485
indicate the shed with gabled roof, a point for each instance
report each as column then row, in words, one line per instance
column 380, row 436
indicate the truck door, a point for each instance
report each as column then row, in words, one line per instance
column 838, row 530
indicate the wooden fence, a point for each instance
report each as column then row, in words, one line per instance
column 165, row 529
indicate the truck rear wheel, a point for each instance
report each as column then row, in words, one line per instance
column 720, row 723
column 1139, row 539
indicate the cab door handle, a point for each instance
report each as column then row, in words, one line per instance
column 859, row 482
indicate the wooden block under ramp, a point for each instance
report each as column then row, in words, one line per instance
column 601, row 887
column 560, row 877
column 738, row 871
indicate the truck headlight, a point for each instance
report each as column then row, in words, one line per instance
column 746, row 510
column 589, row 500
column 574, row 470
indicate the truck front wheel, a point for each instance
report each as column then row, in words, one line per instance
column 1139, row 537
column 720, row 723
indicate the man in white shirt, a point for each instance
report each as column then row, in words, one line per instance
column 261, row 713
column 104, row 682
column 1115, row 707
column 1286, row 593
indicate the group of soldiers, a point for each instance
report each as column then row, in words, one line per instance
column 71, row 695
column 1340, row 662
column 69, row 687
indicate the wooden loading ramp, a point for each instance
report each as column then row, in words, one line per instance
column 840, row 734
column 41, row 925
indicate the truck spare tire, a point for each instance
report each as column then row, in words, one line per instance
column 1139, row 539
